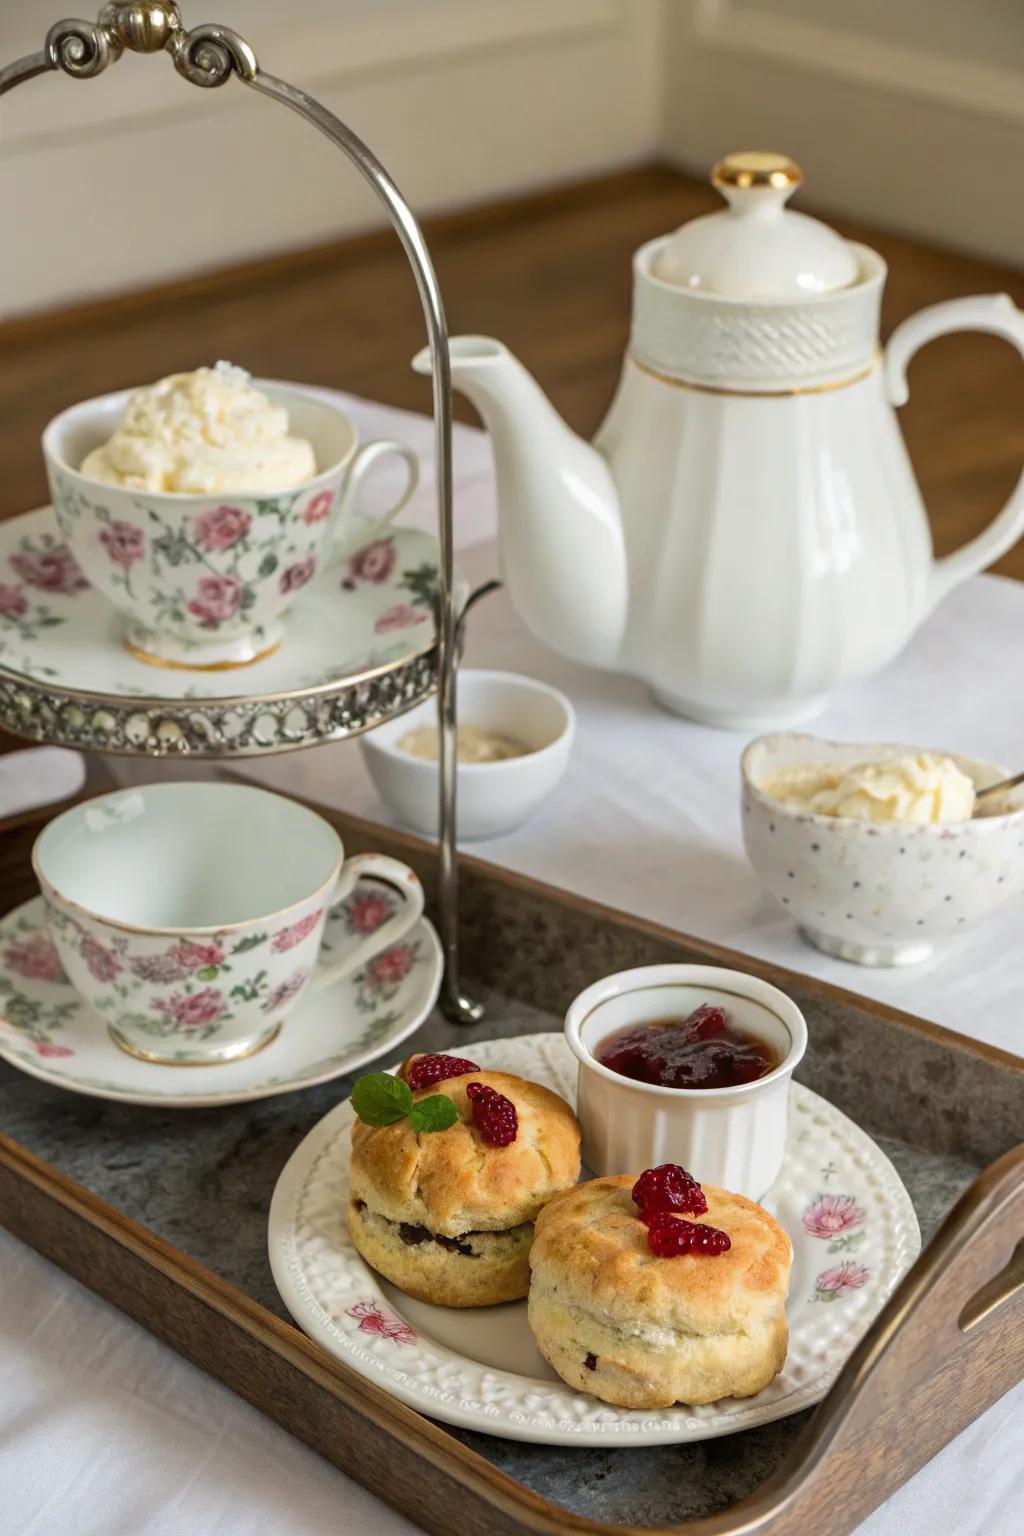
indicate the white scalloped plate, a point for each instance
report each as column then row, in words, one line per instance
column 854, row 1235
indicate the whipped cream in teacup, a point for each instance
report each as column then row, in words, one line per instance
column 202, row 433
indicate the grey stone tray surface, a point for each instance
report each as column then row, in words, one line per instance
column 194, row 1176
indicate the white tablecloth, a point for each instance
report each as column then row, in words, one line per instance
column 105, row 1432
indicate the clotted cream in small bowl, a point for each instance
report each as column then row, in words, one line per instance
column 874, row 850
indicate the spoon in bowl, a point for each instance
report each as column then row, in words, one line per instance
column 997, row 789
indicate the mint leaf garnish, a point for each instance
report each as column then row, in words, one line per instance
column 380, row 1099
column 434, row 1114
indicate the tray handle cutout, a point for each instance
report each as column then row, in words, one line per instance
column 923, row 1371
column 1009, row 1282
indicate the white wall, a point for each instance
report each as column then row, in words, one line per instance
column 905, row 113
column 135, row 176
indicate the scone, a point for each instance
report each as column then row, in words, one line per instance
column 446, row 1216
column 645, row 1332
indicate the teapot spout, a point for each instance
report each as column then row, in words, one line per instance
column 562, row 552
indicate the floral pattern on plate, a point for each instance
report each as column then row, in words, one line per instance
column 840, row 1280
column 492, row 1378
column 837, row 1219
column 48, row 1031
column 371, row 1319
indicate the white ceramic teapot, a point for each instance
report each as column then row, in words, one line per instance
column 746, row 531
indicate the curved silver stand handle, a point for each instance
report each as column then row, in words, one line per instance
column 208, row 56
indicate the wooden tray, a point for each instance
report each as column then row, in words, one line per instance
column 132, row 1202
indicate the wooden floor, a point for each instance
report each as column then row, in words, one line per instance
column 551, row 276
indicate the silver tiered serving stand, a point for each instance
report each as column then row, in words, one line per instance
column 209, row 56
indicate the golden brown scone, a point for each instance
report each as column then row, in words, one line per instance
column 448, row 1218
column 645, row 1332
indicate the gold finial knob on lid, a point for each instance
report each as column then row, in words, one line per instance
column 756, row 248
column 757, row 168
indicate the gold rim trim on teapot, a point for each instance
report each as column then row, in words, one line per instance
column 823, row 388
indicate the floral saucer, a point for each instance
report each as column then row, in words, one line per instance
column 358, row 648
column 843, row 1204
column 48, row 1031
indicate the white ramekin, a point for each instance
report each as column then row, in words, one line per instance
column 731, row 1137
column 494, row 798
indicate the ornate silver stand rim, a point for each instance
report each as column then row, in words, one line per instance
column 244, row 726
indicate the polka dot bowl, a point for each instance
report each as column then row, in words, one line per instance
column 878, row 893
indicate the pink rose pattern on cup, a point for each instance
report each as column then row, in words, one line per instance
column 189, row 989
column 124, row 543
column 103, row 963
column 198, row 980
column 217, row 598
column 180, row 961
column 232, row 560
column 286, row 991
column 221, row 527
column 287, row 938
column 298, row 575
column 193, row 1010
column 318, row 510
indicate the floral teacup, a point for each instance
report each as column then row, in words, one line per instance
column 190, row 916
column 205, row 581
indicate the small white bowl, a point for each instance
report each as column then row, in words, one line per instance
column 877, row 893
column 493, row 798
column 732, row 1137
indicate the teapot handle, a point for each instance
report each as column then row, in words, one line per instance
column 998, row 314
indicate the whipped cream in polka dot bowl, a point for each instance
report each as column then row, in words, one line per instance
column 878, row 852
column 202, row 505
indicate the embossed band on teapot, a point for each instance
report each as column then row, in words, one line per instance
column 764, row 346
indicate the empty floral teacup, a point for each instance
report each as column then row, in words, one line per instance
column 206, row 580
column 190, row 916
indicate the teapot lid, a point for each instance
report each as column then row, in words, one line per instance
column 757, row 248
